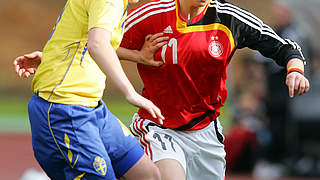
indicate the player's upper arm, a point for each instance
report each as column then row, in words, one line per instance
column 98, row 38
column 104, row 14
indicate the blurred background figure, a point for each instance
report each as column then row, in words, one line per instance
column 248, row 134
column 273, row 135
column 286, row 115
column 280, row 152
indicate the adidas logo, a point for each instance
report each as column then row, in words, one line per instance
column 168, row 30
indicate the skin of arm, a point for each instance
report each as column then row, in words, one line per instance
column 105, row 56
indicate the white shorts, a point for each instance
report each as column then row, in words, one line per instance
column 201, row 153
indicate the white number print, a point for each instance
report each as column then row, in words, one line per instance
column 173, row 43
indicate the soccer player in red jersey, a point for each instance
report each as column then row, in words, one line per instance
column 189, row 87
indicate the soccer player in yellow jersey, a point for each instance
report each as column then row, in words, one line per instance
column 74, row 136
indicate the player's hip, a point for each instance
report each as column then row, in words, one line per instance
column 79, row 138
column 192, row 149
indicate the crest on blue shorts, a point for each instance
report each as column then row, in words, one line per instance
column 100, row 166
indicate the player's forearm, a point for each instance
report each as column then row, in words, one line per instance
column 106, row 58
column 128, row 54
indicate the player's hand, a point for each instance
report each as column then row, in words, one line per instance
column 297, row 84
column 27, row 64
column 151, row 45
column 137, row 100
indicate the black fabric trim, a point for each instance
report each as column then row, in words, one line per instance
column 209, row 18
column 154, row 124
column 134, row 134
column 219, row 136
column 195, row 121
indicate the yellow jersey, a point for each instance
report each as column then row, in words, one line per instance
column 67, row 73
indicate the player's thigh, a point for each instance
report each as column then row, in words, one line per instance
column 123, row 149
column 143, row 169
column 167, row 153
column 171, row 169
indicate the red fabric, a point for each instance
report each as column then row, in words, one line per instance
column 185, row 89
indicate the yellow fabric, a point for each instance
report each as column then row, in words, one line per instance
column 295, row 67
column 80, row 176
column 67, row 73
column 183, row 28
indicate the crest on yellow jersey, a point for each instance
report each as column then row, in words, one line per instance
column 100, row 166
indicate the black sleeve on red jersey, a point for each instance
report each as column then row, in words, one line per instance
column 249, row 31
column 269, row 45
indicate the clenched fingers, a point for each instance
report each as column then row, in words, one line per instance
column 302, row 86
column 21, row 71
column 296, row 82
column 16, row 64
column 147, row 38
column 160, row 40
column 155, row 36
column 26, row 74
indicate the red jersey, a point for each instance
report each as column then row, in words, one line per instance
column 189, row 88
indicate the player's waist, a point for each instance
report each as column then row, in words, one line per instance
column 67, row 98
column 189, row 122
column 77, row 92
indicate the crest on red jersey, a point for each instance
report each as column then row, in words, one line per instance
column 215, row 48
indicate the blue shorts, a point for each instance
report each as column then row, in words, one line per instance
column 74, row 141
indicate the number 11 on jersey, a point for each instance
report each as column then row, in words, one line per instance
column 173, row 44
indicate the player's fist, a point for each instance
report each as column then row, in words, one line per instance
column 297, row 83
column 27, row 64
